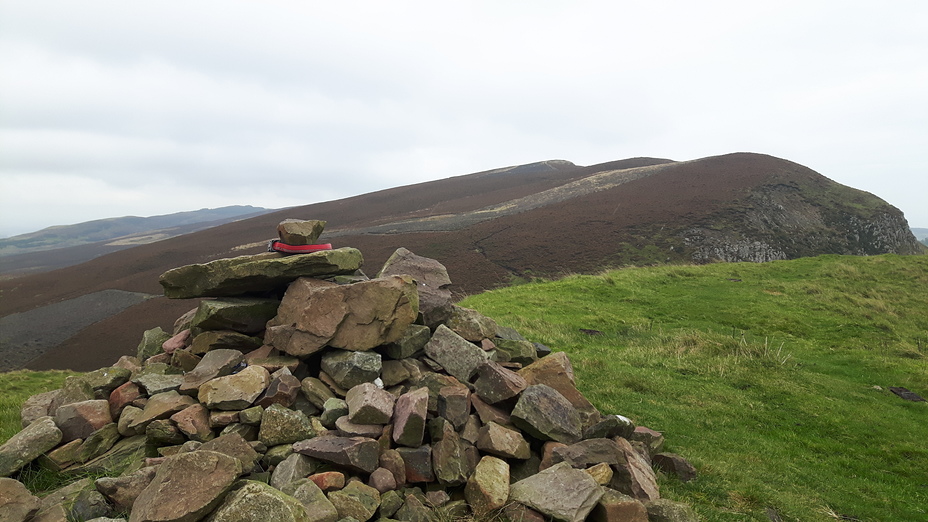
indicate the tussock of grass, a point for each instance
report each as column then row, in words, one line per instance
column 17, row 387
column 771, row 378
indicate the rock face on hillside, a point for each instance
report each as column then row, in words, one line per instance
column 346, row 407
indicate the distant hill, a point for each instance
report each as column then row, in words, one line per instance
column 506, row 225
column 921, row 234
column 81, row 242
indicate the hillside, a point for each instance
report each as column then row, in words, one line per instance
column 773, row 379
column 506, row 225
column 73, row 244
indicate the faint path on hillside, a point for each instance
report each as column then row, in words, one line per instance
column 27, row 335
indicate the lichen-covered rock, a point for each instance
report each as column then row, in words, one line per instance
column 258, row 273
column 349, row 369
column 241, row 314
column 281, row 425
column 488, row 486
column 560, row 492
column 317, row 505
column 545, row 414
column 234, row 392
column 300, row 231
column 455, row 354
column 258, row 502
column 356, row 500
column 22, row 448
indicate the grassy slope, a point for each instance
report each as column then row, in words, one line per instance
column 771, row 378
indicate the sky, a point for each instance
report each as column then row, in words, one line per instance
column 113, row 108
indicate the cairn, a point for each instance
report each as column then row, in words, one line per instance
column 302, row 390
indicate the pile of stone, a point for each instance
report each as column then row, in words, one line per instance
column 305, row 391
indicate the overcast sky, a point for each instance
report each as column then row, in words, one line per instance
column 112, row 108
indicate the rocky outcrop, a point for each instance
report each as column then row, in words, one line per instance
column 382, row 417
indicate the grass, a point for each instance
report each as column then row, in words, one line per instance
column 772, row 379
column 17, row 387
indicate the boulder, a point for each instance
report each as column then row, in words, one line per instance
column 556, row 371
column 354, row 317
column 299, row 231
column 16, row 502
column 349, row 369
column 123, row 490
column 356, row 453
column 240, row 314
column 317, row 505
column 254, row 274
column 356, row 500
column 634, row 475
column 22, row 448
column 488, row 486
column 560, row 492
column 456, row 355
column 615, row 506
column 545, row 414
column 471, row 324
column 236, row 391
column 79, row 419
column 281, row 425
column 675, row 465
column 409, row 417
column 503, row 442
column 368, row 404
column 186, row 487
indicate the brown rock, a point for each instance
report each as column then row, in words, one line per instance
column 495, row 383
column 17, row 504
column 123, row 396
column 79, row 419
column 355, row 317
column 356, row 453
column 674, row 464
column 503, row 442
column 216, row 363
column 488, row 487
column 300, row 232
column 234, row 446
column 454, row 405
column 328, row 480
column 418, row 463
column 234, row 392
column 432, row 283
column 618, row 507
column 409, row 417
column 186, row 487
column 560, row 492
column 543, row 413
column 123, row 490
column 633, row 475
column 193, row 421
column 282, row 390
column 382, row 480
column 161, row 406
column 368, row 404
column 556, row 371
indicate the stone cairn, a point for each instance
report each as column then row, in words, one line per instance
column 305, row 391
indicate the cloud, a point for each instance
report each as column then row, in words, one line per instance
column 238, row 102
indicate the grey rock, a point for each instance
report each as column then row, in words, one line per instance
column 349, row 369
column 368, row 404
column 357, row 453
column 296, row 466
column 24, row 447
column 560, row 492
column 280, row 425
column 255, row 501
column 244, row 315
column 457, row 356
column 123, row 490
column 545, row 414
column 217, row 363
column 412, row 341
